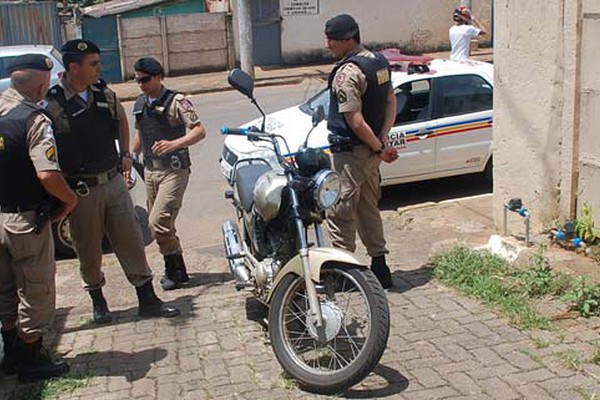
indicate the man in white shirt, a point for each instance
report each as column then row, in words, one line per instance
column 466, row 28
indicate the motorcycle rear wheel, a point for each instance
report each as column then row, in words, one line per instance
column 356, row 311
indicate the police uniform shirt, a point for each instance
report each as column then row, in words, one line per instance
column 350, row 83
column 181, row 111
column 40, row 136
column 111, row 98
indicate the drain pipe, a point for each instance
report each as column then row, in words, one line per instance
column 516, row 205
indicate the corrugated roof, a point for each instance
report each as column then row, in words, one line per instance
column 116, row 7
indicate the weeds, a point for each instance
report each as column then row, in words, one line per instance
column 583, row 296
column 585, row 225
column 570, row 359
column 540, row 343
column 52, row 388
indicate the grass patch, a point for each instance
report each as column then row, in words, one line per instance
column 570, row 359
column 51, row 389
column 492, row 280
column 541, row 343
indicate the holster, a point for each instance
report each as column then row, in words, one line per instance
column 174, row 161
column 340, row 143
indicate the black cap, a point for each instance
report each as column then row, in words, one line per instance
column 79, row 46
column 341, row 27
column 30, row 61
column 148, row 65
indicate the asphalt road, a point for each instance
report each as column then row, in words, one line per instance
column 205, row 208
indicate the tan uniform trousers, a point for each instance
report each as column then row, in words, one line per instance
column 164, row 193
column 358, row 207
column 27, row 270
column 108, row 209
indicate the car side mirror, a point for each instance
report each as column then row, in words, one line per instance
column 242, row 82
column 318, row 115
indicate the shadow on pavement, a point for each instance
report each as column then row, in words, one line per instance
column 407, row 280
column 257, row 312
column 132, row 366
column 434, row 191
column 207, row 279
column 396, row 383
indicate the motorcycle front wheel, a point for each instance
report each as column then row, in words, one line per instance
column 356, row 328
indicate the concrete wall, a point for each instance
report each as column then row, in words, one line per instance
column 412, row 25
column 546, row 109
column 588, row 188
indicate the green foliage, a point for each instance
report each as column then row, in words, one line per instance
column 583, row 296
column 585, row 225
column 51, row 389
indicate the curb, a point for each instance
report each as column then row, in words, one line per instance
column 259, row 82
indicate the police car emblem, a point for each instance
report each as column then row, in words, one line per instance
column 49, row 63
column 81, row 46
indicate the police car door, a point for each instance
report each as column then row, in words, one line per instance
column 463, row 123
column 411, row 134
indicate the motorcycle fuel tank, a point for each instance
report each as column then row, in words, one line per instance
column 267, row 193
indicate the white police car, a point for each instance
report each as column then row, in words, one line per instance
column 443, row 125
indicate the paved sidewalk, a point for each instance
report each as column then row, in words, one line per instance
column 217, row 81
column 442, row 345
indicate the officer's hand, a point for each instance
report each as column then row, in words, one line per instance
column 126, row 165
column 389, row 154
column 163, row 147
column 64, row 210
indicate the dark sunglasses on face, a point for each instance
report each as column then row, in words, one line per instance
column 144, row 79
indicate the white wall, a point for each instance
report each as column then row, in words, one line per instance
column 416, row 24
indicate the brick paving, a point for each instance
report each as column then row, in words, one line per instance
column 442, row 345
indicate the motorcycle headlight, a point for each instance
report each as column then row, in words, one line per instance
column 327, row 189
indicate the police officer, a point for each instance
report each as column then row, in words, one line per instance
column 167, row 125
column 29, row 177
column 362, row 111
column 89, row 120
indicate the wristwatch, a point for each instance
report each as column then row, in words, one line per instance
column 378, row 152
column 126, row 154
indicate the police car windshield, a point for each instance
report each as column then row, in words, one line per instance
column 319, row 99
column 4, row 62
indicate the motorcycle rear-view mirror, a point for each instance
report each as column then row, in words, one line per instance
column 318, row 115
column 242, row 82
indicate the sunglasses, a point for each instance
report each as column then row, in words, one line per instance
column 144, row 79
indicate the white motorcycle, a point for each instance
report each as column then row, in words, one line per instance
column 328, row 315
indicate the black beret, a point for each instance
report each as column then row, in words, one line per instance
column 148, row 65
column 341, row 27
column 79, row 46
column 30, row 61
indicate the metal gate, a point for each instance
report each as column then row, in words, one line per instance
column 103, row 32
column 266, row 32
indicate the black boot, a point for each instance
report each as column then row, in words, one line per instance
column 9, row 363
column 171, row 279
column 151, row 306
column 36, row 364
column 182, row 270
column 382, row 271
column 101, row 312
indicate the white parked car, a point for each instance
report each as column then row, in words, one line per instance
column 7, row 53
column 443, row 125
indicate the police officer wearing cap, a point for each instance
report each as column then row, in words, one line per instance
column 30, row 178
column 89, row 119
column 167, row 125
column 361, row 113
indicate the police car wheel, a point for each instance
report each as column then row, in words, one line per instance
column 62, row 238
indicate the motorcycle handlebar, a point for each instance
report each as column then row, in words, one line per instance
column 235, row 131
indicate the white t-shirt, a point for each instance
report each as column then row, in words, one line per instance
column 460, row 41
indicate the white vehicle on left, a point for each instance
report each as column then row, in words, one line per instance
column 8, row 53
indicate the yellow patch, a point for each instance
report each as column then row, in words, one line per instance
column 341, row 97
column 1, row 142
column 51, row 154
column 383, row 76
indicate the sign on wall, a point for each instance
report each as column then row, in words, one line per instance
column 299, row 7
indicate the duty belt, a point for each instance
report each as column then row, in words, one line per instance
column 339, row 143
column 82, row 183
column 175, row 161
column 17, row 209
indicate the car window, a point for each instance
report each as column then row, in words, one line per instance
column 319, row 99
column 464, row 94
column 413, row 102
column 4, row 62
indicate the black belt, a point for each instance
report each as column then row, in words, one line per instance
column 92, row 180
column 17, row 209
column 174, row 161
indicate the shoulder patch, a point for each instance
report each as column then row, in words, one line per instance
column 342, row 97
column 51, row 154
column 1, row 143
column 340, row 77
column 186, row 105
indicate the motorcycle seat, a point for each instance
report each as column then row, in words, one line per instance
column 245, row 179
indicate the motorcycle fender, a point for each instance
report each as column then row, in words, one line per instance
column 317, row 257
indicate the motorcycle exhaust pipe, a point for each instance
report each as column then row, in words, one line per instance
column 235, row 255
